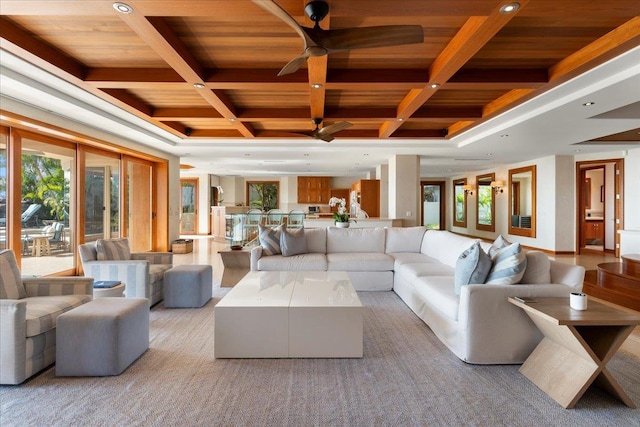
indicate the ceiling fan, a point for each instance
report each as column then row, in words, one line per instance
column 326, row 133
column 319, row 42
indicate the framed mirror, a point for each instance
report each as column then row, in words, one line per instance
column 459, row 203
column 522, row 201
column 485, row 203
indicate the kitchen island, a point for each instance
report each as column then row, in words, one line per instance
column 362, row 222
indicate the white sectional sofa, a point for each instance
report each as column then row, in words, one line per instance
column 479, row 325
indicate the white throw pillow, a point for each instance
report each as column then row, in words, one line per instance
column 472, row 267
column 509, row 264
column 538, row 268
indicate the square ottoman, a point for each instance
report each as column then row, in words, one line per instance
column 188, row 286
column 102, row 337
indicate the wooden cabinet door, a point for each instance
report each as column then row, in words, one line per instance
column 303, row 189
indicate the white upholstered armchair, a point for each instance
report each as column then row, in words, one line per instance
column 29, row 308
column 141, row 272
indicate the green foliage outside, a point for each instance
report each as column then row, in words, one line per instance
column 43, row 182
column 485, row 196
column 263, row 196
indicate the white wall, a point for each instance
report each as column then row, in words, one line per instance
column 382, row 173
column 404, row 189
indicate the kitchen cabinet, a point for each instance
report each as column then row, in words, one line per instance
column 368, row 195
column 314, row 189
column 594, row 230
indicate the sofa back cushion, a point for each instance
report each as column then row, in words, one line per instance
column 113, row 249
column 399, row 239
column 355, row 240
column 538, row 268
column 11, row 286
column 444, row 246
column 316, row 240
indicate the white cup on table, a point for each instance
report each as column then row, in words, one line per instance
column 578, row 301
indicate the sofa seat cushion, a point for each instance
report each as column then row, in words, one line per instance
column 401, row 258
column 439, row 292
column 365, row 261
column 156, row 272
column 311, row 262
column 411, row 271
column 42, row 312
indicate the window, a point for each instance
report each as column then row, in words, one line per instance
column 263, row 195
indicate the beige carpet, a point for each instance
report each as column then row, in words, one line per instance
column 407, row 377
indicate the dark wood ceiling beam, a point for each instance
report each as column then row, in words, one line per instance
column 161, row 39
column 490, row 79
column 476, row 32
column 317, row 71
column 186, row 113
column 132, row 101
column 178, row 127
column 337, row 79
column 138, row 78
column 45, row 56
column 217, row 133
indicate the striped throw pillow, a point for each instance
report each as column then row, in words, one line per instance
column 11, row 286
column 509, row 264
column 270, row 239
column 113, row 250
column 499, row 243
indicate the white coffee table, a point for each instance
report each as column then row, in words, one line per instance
column 273, row 314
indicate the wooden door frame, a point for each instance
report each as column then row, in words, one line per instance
column 443, row 204
column 618, row 209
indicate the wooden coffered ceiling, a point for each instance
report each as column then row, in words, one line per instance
column 483, row 62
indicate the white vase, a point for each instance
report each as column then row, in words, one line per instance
column 342, row 224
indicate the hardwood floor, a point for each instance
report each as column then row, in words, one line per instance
column 205, row 251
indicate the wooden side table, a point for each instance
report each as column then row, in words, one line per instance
column 576, row 347
column 236, row 265
column 40, row 245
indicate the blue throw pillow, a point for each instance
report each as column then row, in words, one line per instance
column 270, row 239
column 293, row 242
column 472, row 267
column 509, row 264
column 498, row 244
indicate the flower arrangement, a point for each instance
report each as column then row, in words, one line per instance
column 341, row 215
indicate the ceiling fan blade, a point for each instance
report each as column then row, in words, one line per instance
column 293, row 65
column 326, row 138
column 275, row 9
column 333, row 128
column 367, row 37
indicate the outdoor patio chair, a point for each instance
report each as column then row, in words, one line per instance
column 29, row 216
column 58, row 238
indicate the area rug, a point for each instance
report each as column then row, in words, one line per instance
column 407, row 377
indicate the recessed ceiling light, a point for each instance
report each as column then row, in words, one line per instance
column 247, row 154
column 489, row 154
column 587, row 104
column 577, row 151
column 509, row 8
column 316, row 86
column 504, row 135
column 199, row 85
column 365, row 154
column 400, row 119
column 434, row 85
column 306, row 155
column 123, row 7
column 232, row 119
